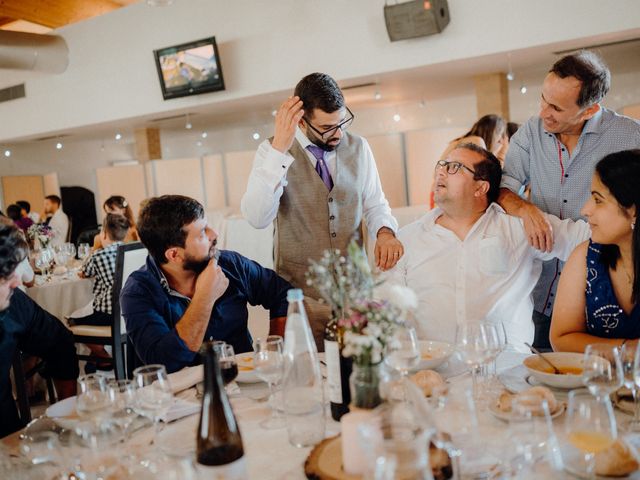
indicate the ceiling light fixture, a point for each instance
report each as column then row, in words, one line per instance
column 159, row 3
column 7, row 153
column 510, row 75
column 256, row 136
column 396, row 117
column 59, row 146
column 523, row 89
column 204, row 135
column 273, row 113
column 198, row 143
column 188, row 125
column 118, row 136
column 377, row 95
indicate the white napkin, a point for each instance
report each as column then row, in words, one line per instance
column 181, row 408
column 186, row 378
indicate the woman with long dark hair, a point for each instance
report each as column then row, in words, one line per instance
column 117, row 204
column 597, row 299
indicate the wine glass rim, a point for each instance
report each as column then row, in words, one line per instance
column 147, row 369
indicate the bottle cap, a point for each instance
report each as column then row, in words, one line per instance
column 294, row 295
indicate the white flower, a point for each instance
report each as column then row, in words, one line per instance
column 397, row 295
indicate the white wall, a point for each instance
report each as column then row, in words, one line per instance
column 268, row 46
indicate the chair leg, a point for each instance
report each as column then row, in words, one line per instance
column 21, row 392
column 118, row 359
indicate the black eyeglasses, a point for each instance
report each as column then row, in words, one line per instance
column 330, row 131
column 452, row 167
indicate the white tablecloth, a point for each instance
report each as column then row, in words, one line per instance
column 61, row 297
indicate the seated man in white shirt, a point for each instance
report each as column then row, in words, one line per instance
column 57, row 219
column 467, row 260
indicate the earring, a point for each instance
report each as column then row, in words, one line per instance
column 633, row 225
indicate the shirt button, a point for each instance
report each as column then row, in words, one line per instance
column 566, row 175
column 564, row 201
column 332, row 217
column 283, row 166
column 333, row 234
column 330, row 199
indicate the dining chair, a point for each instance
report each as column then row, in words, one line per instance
column 130, row 257
column 20, row 378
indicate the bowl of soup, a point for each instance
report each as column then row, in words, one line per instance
column 570, row 365
column 433, row 354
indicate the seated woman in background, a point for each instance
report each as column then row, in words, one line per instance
column 118, row 205
column 597, row 299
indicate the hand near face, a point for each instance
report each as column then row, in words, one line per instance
column 213, row 280
column 287, row 118
column 388, row 250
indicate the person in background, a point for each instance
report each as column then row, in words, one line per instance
column 469, row 261
column 118, row 205
column 56, row 219
column 599, row 288
column 26, row 327
column 489, row 132
column 189, row 291
column 26, row 211
column 22, row 222
column 555, row 153
column 101, row 265
column 318, row 183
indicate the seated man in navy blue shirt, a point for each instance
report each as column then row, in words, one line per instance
column 26, row 327
column 185, row 294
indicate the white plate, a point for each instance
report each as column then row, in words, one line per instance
column 433, row 354
column 535, row 365
column 64, row 413
column 245, row 369
column 506, row 416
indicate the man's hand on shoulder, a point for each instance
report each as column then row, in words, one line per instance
column 536, row 226
column 212, row 280
column 287, row 118
column 388, row 249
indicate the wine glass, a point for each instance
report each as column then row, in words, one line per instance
column 84, row 250
column 403, row 350
column 590, row 427
column 43, row 260
column 474, row 346
column 602, row 372
column 122, row 402
column 70, row 250
column 92, row 402
column 630, row 369
column 268, row 363
column 227, row 360
column 154, row 396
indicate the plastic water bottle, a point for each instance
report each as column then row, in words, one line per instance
column 303, row 392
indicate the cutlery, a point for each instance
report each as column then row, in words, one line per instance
column 556, row 370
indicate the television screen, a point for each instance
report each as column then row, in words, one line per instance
column 189, row 69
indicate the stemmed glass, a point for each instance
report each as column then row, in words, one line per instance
column 602, row 372
column 268, row 362
column 154, row 396
column 84, row 250
column 92, row 402
column 70, row 250
column 476, row 343
column 43, row 260
column 228, row 363
column 403, row 350
column 122, row 402
column 590, row 427
column 631, row 371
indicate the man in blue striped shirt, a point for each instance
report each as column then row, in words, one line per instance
column 555, row 153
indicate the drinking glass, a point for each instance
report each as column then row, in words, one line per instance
column 70, row 250
column 41, row 447
column 602, row 373
column 631, row 371
column 403, row 350
column 84, row 250
column 268, row 363
column 590, row 427
column 154, row 396
column 92, row 402
column 43, row 260
column 475, row 345
column 122, row 402
column 228, row 363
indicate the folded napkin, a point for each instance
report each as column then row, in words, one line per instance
column 186, row 378
column 181, row 408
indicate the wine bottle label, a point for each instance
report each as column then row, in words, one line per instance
column 332, row 358
column 232, row 471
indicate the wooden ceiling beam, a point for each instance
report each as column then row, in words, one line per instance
column 55, row 13
column 5, row 20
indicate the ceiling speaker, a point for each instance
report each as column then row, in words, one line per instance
column 416, row 18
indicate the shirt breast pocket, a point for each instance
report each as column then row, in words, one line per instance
column 495, row 257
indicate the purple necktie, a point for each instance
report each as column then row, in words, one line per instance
column 321, row 166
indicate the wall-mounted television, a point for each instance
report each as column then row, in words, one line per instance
column 189, row 69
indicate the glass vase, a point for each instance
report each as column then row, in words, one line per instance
column 364, row 384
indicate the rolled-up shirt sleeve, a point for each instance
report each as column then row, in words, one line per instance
column 515, row 172
column 154, row 340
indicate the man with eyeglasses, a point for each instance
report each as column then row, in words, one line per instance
column 467, row 260
column 318, row 182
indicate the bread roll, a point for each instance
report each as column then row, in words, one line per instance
column 529, row 399
column 616, row 461
column 427, row 381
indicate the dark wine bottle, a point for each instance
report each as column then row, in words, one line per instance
column 338, row 370
column 219, row 444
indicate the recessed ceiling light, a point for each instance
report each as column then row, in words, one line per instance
column 396, row 117
column 204, row 134
column 256, row 136
column 7, row 153
column 118, row 136
column 510, row 76
column 377, row 95
column 198, row 143
column 59, row 145
column 273, row 113
column 523, row 89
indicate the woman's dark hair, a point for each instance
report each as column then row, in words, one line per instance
column 24, row 204
column 620, row 173
column 118, row 201
column 592, row 72
column 319, row 90
column 13, row 212
column 13, row 248
column 161, row 223
column 512, row 127
column 486, row 128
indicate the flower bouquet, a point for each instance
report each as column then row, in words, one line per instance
column 40, row 235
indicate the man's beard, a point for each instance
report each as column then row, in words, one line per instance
column 323, row 145
column 198, row 265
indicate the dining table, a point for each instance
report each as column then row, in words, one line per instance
column 61, row 295
column 269, row 454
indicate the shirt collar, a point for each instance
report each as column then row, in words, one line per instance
column 593, row 125
column 303, row 140
column 164, row 283
column 429, row 220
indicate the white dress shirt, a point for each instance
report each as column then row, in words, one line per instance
column 25, row 273
column 59, row 223
column 487, row 276
column 268, row 179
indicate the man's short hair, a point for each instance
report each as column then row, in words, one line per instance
column 161, row 223
column 13, row 212
column 54, row 198
column 488, row 169
column 592, row 72
column 24, row 204
column 116, row 226
column 319, row 90
column 13, row 248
